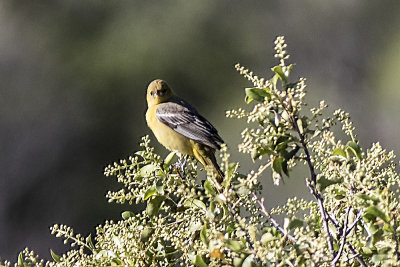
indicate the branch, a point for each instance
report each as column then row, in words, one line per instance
column 356, row 220
column 356, row 255
column 272, row 220
column 344, row 236
column 323, row 212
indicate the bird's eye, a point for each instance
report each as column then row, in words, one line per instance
column 161, row 92
column 152, row 93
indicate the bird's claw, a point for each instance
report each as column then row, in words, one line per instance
column 181, row 164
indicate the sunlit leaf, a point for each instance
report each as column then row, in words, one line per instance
column 160, row 187
column 149, row 193
column 354, row 148
column 281, row 75
column 323, row 183
column 194, row 203
column 203, row 235
column 147, row 232
column 199, row 262
column 147, row 169
column 256, row 153
column 55, row 257
column 234, row 245
column 168, row 160
column 267, row 237
column 127, row 214
column 249, row 261
column 373, row 211
column 153, row 206
column 209, row 188
column 368, row 197
column 256, row 94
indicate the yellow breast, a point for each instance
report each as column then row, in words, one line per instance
column 167, row 136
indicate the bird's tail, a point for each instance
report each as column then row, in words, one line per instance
column 206, row 156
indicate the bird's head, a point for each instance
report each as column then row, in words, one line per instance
column 158, row 92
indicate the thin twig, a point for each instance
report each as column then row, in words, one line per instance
column 356, row 220
column 272, row 220
column 356, row 255
column 323, row 212
column 366, row 229
column 344, row 236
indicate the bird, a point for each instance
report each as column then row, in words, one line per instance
column 179, row 127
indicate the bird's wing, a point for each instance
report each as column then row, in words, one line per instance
column 184, row 119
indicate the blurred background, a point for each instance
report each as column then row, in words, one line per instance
column 73, row 76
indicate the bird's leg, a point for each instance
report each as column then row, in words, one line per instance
column 182, row 164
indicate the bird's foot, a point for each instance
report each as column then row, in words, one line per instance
column 182, row 164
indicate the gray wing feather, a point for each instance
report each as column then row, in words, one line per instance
column 184, row 119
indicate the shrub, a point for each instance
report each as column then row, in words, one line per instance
column 351, row 221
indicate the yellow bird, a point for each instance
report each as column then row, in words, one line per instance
column 179, row 127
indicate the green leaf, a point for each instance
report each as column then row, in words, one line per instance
column 147, row 232
column 281, row 146
column 209, row 188
column 153, row 206
column 150, row 192
column 366, row 197
column 267, row 237
column 277, row 164
column 281, row 75
column 243, row 190
column 274, row 80
column 339, row 155
column 146, row 170
column 323, row 183
column 127, row 214
column 256, row 153
column 378, row 258
column 168, row 160
column 232, row 167
column 203, row 235
column 292, row 153
column 89, row 242
column 249, row 261
column 295, row 223
column 199, row 262
column 354, row 148
column 55, row 257
column 339, row 152
column 256, row 94
column 373, row 211
column 367, row 251
column 195, row 203
column 230, row 227
column 237, row 262
column 116, row 262
column 160, row 187
column 21, row 261
column 234, row 245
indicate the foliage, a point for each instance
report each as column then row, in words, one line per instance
column 352, row 220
